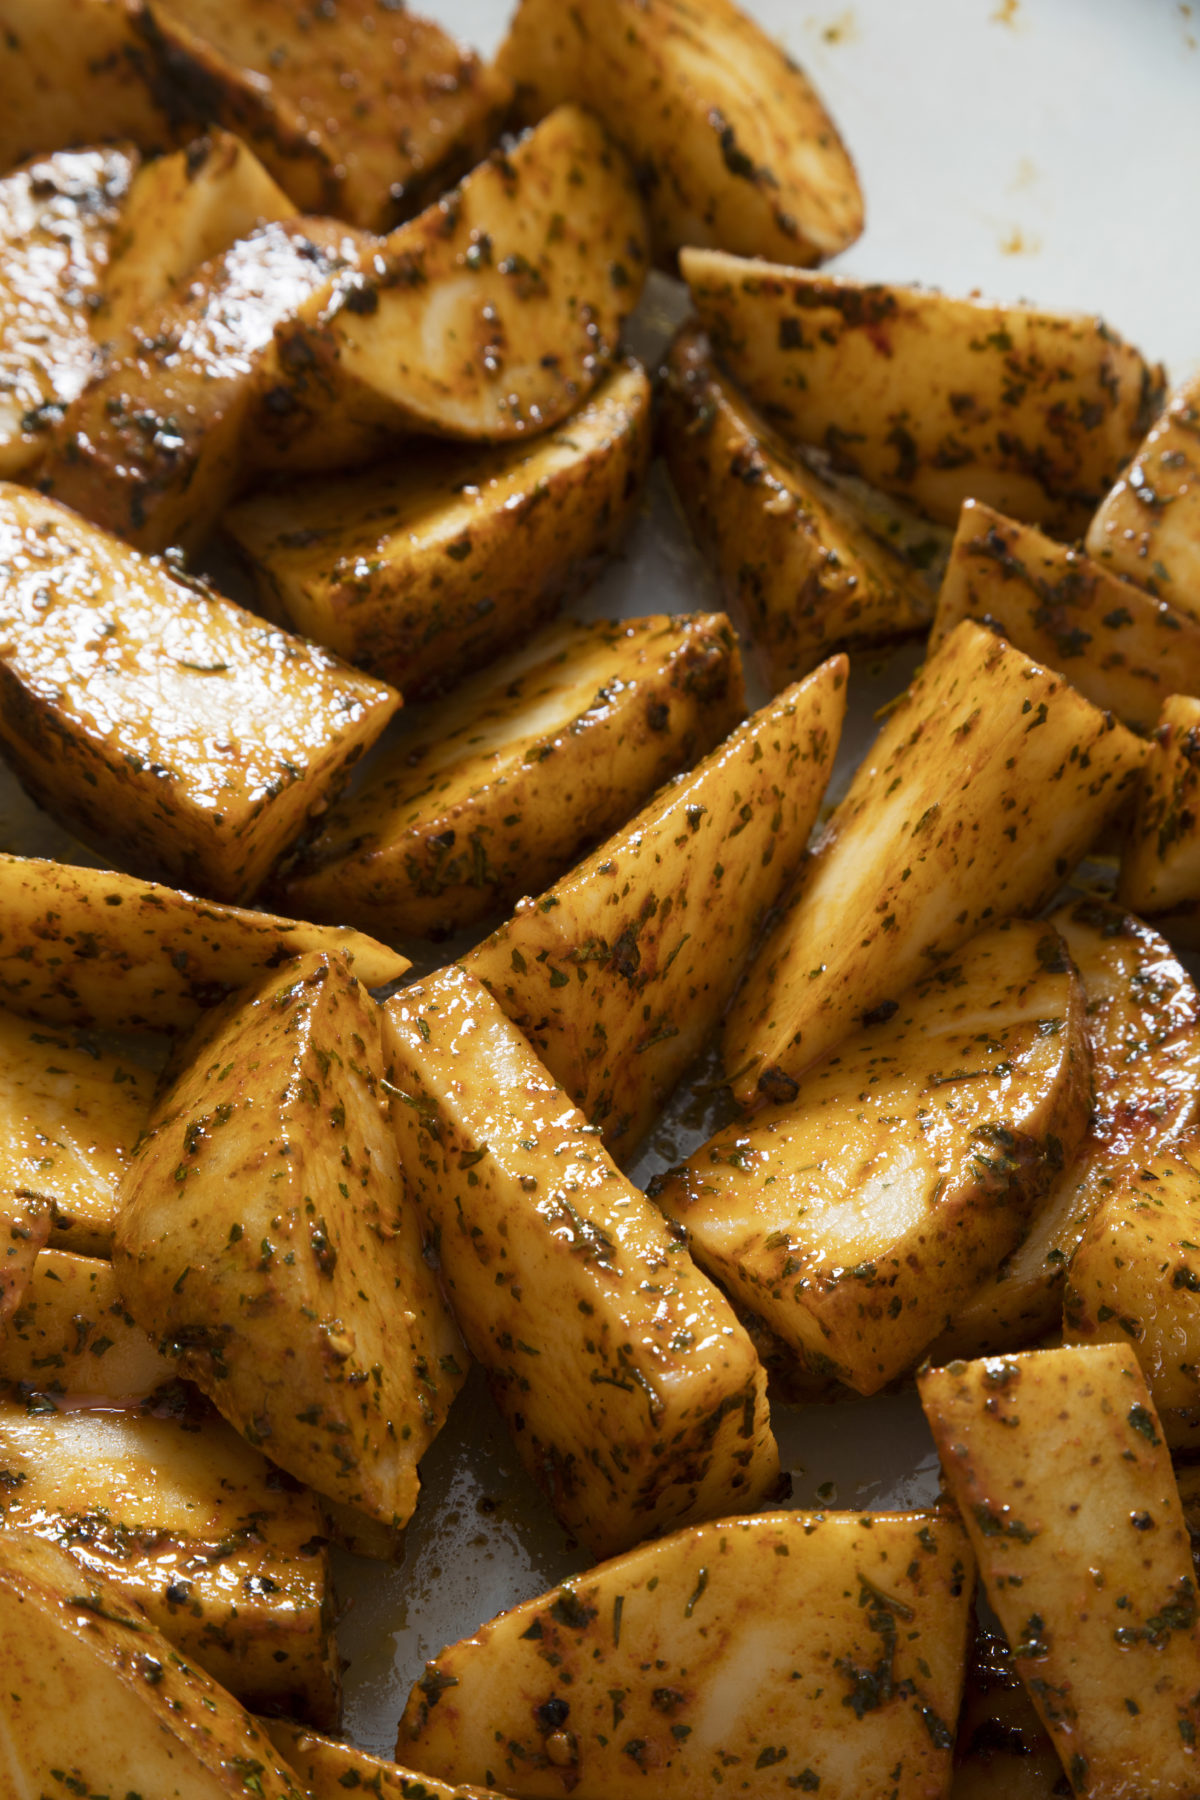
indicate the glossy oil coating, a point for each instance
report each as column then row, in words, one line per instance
column 1160, row 862
column 1148, row 526
column 72, row 1334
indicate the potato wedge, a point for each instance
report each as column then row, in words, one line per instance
column 158, row 721
column 510, row 778
column 72, row 1335
column 634, row 1397
column 1148, row 527
column 96, row 1701
column 801, row 572
column 1058, row 1467
column 85, row 946
column 328, row 1767
column 422, row 570
column 490, row 316
column 731, row 140
column 1123, row 650
column 24, row 1229
column 987, row 783
column 1160, row 864
column 1002, row 1751
column 226, row 1556
column 932, row 397
column 856, row 1218
column 152, row 449
column 299, row 1300
column 821, row 1652
column 619, row 973
column 57, row 221
column 1143, row 1020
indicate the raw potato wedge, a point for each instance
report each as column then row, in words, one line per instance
column 1124, row 650
column 181, row 211
column 57, row 221
column 1002, row 1751
column 83, row 946
column 618, row 974
column 327, row 1768
column 72, row 1334
column 153, row 448
column 1160, row 864
column 634, row 1397
column 855, row 1219
column 932, row 397
column 226, row 1556
column 1143, row 1022
column 490, row 316
column 818, row 1652
column 517, row 773
column 1058, row 1468
column 96, row 1701
column 731, row 141
column 267, row 1238
column 801, row 571
column 427, row 568
column 990, row 778
column 158, row 721
column 1148, row 527
column 70, row 1115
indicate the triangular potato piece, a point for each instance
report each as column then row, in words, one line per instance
column 1148, row 527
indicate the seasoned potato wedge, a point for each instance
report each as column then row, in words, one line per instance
column 1002, row 1751
column 802, row 572
column 24, row 1229
column 181, row 211
column 820, row 1652
column 731, row 141
column 1160, row 865
column 298, row 1299
column 1120, row 647
column 618, row 974
column 521, row 769
column 92, row 947
column 152, row 449
column 158, row 721
column 856, row 1218
column 1058, row 1468
column 634, row 1397
column 1143, row 1021
column 226, row 1556
column 328, row 1767
column 932, row 397
column 987, row 783
column 57, row 220
column 424, row 569
column 72, row 1335
column 1148, row 527
column 70, row 1115
column 96, row 1701
column 490, row 316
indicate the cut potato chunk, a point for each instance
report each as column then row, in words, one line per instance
column 1143, row 1021
column 932, row 397
column 267, row 1238
column 519, row 771
column 1160, row 866
column 70, row 1115
column 618, row 974
column 226, row 1555
column 85, row 946
column 96, row 1701
column 856, row 1218
column 152, row 449
column 158, row 721
column 72, row 1335
column 24, row 1229
column 801, row 570
column 990, row 778
column 1122, row 649
column 425, row 569
column 1058, row 1467
column 57, row 218
column 1148, row 527
column 821, row 1652
column 327, row 1768
column 490, row 316
column 731, row 141
column 634, row 1397
column 1002, row 1751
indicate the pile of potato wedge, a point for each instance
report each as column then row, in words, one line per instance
column 311, row 304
